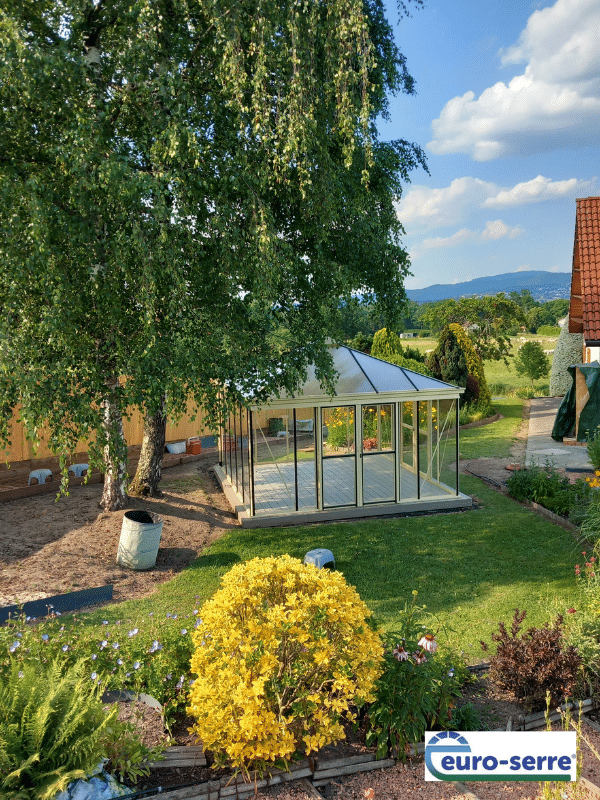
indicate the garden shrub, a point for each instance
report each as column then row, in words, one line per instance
column 127, row 756
column 568, row 350
column 593, row 447
column 583, row 624
column 548, row 330
column 547, row 487
column 473, row 412
column 536, row 663
column 51, row 726
column 456, row 361
column 590, row 524
column 417, row 689
column 388, row 347
column 282, row 651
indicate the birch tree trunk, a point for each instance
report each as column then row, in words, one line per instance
column 114, row 493
column 149, row 470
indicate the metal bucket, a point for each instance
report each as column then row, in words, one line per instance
column 140, row 538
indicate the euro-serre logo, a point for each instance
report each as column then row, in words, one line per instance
column 501, row 756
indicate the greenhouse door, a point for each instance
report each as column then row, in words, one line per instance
column 338, row 457
column 378, row 454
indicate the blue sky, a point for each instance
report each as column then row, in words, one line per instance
column 508, row 112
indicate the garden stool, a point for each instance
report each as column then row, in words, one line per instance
column 40, row 475
column 320, row 558
column 78, row 469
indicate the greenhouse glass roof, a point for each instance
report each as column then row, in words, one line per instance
column 361, row 374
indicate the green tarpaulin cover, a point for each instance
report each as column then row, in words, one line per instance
column 589, row 418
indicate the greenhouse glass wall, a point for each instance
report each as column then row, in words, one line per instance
column 386, row 443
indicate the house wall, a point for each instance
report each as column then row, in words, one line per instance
column 591, row 354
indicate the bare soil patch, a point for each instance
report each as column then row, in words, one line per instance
column 50, row 546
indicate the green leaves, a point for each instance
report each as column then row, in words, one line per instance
column 183, row 200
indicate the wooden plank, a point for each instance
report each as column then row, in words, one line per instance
column 230, row 787
column 190, row 756
column 344, row 762
column 324, row 775
column 310, row 790
column 531, row 721
column 203, row 791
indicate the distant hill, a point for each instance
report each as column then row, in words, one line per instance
column 544, row 286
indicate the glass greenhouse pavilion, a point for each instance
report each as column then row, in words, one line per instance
column 386, row 443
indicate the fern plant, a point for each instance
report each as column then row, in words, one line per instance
column 51, row 724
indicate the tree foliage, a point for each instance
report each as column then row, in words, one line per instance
column 530, row 360
column 455, row 360
column 487, row 320
column 183, row 195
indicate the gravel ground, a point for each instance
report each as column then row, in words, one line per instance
column 407, row 781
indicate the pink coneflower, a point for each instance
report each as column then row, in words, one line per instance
column 428, row 643
column 400, row 653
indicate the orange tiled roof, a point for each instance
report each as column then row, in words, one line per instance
column 584, row 307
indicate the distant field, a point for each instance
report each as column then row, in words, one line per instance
column 497, row 374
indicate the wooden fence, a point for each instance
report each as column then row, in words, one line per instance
column 21, row 449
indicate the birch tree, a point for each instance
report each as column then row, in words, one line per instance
column 177, row 182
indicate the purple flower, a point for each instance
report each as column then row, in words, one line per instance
column 136, row 665
column 120, row 662
column 179, row 684
column 94, row 676
column 103, row 644
column 94, row 656
column 115, row 645
column 132, row 633
column 45, row 637
column 14, row 646
column 156, row 645
column 105, row 622
column 183, row 631
column 65, row 647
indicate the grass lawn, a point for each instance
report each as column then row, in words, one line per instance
column 494, row 440
column 471, row 569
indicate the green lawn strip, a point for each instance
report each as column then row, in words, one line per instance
column 493, row 440
column 471, row 569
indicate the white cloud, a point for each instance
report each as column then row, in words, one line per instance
column 449, row 241
column 538, row 189
column 524, row 268
column 436, row 208
column 493, row 231
column 496, row 229
column 553, row 103
column 423, row 208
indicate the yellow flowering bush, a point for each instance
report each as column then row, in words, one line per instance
column 282, row 650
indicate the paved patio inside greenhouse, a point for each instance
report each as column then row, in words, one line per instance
column 275, row 498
